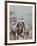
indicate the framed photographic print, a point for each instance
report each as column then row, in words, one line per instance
column 20, row 22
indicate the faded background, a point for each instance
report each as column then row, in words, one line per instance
column 23, row 11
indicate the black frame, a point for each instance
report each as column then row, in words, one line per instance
column 6, row 22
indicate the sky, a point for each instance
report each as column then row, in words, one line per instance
column 23, row 11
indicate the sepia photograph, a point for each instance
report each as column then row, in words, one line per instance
column 20, row 22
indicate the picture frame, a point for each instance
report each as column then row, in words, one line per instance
column 27, row 12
